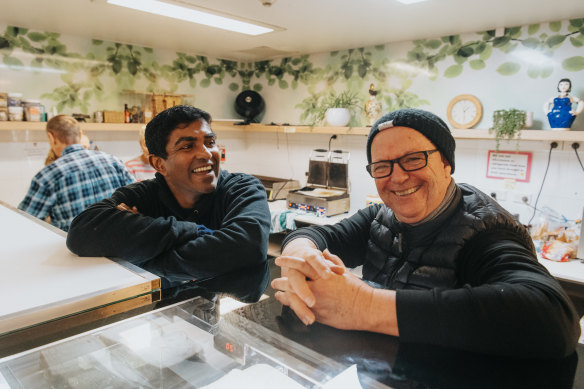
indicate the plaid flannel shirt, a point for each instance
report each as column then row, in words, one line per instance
column 76, row 180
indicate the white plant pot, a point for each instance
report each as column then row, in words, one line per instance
column 338, row 117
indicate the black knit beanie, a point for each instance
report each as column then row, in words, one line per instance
column 426, row 123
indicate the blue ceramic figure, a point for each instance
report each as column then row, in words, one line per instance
column 559, row 109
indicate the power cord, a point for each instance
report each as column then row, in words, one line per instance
column 331, row 138
column 275, row 196
column 553, row 145
column 575, row 146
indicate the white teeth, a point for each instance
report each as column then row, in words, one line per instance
column 202, row 169
column 407, row 192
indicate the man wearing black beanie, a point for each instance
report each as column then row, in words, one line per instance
column 443, row 263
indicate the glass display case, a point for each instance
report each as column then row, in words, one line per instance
column 186, row 345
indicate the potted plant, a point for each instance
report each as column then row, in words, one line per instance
column 507, row 124
column 337, row 109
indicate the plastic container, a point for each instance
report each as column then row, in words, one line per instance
column 34, row 111
column 3, row 106
column 15, row 113
column 14, row 99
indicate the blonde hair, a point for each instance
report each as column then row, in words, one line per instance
column 142, row 134
column 65, row 128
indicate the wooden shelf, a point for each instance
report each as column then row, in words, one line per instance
column 537, row 135
column 40, row 126
column 219, row 125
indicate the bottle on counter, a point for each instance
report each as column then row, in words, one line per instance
column 126, row 114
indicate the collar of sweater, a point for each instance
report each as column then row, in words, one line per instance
column 425, row 230
column 167, row 198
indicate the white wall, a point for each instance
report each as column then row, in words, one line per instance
column 22, row 154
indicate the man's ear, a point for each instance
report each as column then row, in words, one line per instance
column 52, row 139
column 447, row 166
column 158, row 163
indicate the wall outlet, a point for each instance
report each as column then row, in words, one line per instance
column 522, row 198
column 499, row 195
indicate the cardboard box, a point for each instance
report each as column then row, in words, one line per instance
column 113, row 117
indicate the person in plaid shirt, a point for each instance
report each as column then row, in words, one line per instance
column 77, row 179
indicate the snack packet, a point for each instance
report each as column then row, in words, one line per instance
column 558, row 251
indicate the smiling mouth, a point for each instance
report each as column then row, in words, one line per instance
column 407, row 192
column 203, row 169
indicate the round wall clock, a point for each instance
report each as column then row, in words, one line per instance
column 464, row 111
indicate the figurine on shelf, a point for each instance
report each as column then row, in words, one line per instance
column 372, row 106
column 559, row 109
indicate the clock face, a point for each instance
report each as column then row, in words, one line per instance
column 464, row 111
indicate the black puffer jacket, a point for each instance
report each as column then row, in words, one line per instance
column 468, row 279
column 425, row 256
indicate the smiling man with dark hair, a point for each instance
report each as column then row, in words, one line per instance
column 192, row 223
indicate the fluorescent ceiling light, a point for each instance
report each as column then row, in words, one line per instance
column 192, row 15
column 31, row 68
column 410, row 1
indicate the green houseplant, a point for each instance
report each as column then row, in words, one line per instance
column 507, row 124
column 316, row 106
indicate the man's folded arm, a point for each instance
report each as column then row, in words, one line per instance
column 104, row 230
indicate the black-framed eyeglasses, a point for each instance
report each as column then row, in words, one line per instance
column 409, row 163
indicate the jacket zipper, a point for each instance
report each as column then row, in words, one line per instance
column 401, row 259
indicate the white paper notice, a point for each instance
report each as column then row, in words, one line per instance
column 507, row 164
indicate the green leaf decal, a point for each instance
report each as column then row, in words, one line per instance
column 532, row 43
column 555, row 41
column 577, row 41
column 4, row 43
column 486, row 54
column 117, row 66
column 36, row 36
column 573, row 64
column 514, row 32
column 501, row 41
column 11, row 61
column 477, row 64
column 433, row 44
column 508, row 68
column 555, row 26
column 533, row 29
column 453, row 71
column 465, row 52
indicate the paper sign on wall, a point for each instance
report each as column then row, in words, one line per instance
column 509, row 164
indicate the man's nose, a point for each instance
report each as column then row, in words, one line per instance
column 399, row 174
column 203, row 152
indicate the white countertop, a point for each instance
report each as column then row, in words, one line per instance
column 40, row 279
column 572, row 271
